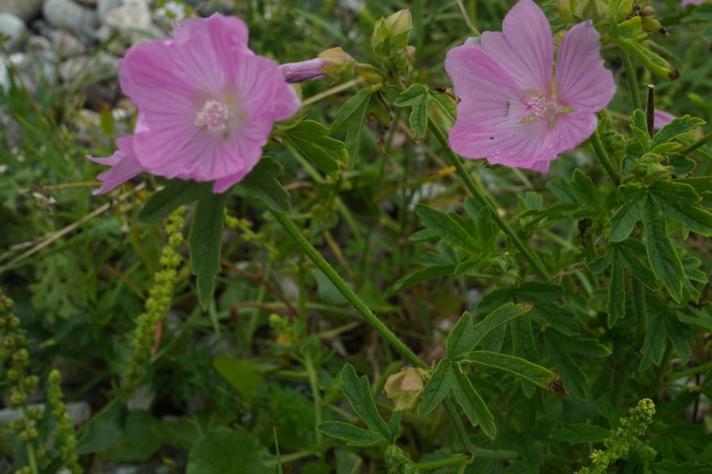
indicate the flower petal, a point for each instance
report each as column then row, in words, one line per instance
column 487, row 93
column 583, row 83
column 525, row 47
column 662, row 119
column 517, row 145
column 570, row 130
column 122, row 164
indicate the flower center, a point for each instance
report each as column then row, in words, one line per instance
column 214, row 116
column 537, row 106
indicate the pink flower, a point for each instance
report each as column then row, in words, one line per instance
column 691, row 2
column 514, row 110
column 206, row 105
column 303, row 70
column 662, row 118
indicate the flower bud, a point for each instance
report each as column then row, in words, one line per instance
column 404, row 388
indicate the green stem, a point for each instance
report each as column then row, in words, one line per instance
column 316, row 395
column 694, row 146
column 365, row 311
column 603, row 158
column 692, row 371
column 632, row 80
column 345, row 290
column 451, row 461
column 483, row 199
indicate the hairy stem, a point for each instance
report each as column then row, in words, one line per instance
column 346, row 290
column 365, row 311
column 632, row 80
column 603, row 158
column 484, row 199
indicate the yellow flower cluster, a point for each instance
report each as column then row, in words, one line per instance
column 158, row 303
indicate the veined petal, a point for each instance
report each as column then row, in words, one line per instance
column 524, row 48
column 570, row 130
column 122, row 165
column 583, row 83
column 519, row 145
column 263, row 92
column 487, row 93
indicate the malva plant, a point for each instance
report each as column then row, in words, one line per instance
column 509, row 318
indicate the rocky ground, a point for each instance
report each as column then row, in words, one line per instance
column 77, row 43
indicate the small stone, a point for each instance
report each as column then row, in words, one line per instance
column 105, row 6
column 69, row 15
column 66, row 44
column 38, row 43
column 12, row 27
column 25, row 9
column 133, row 14
column 87, row 68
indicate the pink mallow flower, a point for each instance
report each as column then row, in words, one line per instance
column 691, row 2
column 206, row 106
column 514, row 109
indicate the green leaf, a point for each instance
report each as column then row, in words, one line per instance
column 522, row 368
column 616, row 293
column 524, row 345
column 461, row 339
column 437, row 387
column 427, row 273
column 205, row 243
column 574, row 379
column 472, row 403
column 352, row 435
column 351, row 116
column 679, row 201
column 579, row 433
column 662, row 255
column 262, row 184
column 655, row 334
column 312, row 140
column 624, row 220
column 632, row 255
column 226, row 451
column 240, row 374
column 677, row 128
column 639, row 128
column 175, row 194
column 357, row 391
column 447, row 227
column 502, row 315
column 417, row 98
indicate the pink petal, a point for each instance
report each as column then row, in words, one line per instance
column 662, row 119
column 583, row 83
column 122, row 164
column 517, row 145
column 525, row 47
column 570, row 130
column 263, row 90
column 303, row 70
column 486, row 92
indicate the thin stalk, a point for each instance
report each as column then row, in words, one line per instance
column 483, row 199
column 346, row 291
column 602, row 156
column 451, row 461
column 632, row 80
column 365, row 311
column 694, row 146
column 316, row 395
